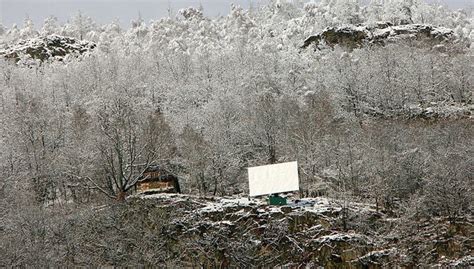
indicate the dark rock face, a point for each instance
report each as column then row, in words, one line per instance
column 225, row 233
column 184, row 231
column 352, row 37
column 51, row 47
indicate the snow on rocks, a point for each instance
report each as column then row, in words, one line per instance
column 242, row 205
column 44, row 48
column 378, row 257
column 356, row 36
column 309, row 228
column 341, row 237
column 464, row 262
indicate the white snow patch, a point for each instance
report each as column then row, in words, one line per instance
column 338, row 237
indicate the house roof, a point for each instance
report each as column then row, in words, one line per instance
column 164, row 174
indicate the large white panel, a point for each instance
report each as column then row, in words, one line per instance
column 274, row 178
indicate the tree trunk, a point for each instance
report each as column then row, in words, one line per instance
column 121, row 195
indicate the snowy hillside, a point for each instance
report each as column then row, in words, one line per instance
column 375, row 109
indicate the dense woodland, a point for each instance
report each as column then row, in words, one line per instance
column 208, row 97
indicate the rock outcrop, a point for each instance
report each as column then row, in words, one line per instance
column 352, row 37
column 44, row 48
column 220, row 232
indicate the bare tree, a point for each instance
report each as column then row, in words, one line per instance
column 129, row 141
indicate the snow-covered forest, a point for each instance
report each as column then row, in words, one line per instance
column 374, row 100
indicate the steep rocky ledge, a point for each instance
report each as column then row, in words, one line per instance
column 233, row 232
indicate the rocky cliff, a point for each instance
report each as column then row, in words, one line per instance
column 220, row 232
